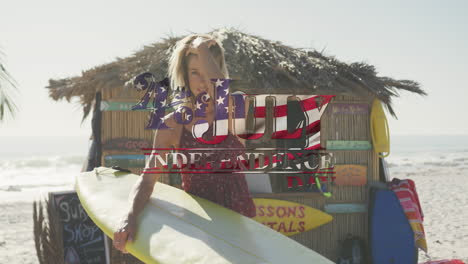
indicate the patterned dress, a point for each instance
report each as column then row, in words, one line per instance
column 228, row 190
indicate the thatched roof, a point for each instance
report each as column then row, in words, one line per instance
column 255, row 64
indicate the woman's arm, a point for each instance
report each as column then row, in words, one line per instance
column 143, row 188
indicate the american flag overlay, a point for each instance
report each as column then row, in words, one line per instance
column 284, row 122
column 291, row 119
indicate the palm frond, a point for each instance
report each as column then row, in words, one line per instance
column 47, row 233
column 8, row 87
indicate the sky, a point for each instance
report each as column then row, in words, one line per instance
column 425, row 41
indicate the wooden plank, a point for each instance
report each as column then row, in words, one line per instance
column 125, row 106
column 345, row 208
column 349, row 109
column 350, row 175
column 342, row 192
column 119, row 106
column 126, row 144
column 125, row 161
column 348, row 145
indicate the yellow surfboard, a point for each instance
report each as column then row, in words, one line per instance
column 379, row 130
column 176, row 227
column 289, row 218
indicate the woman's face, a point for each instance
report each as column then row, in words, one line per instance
column 198, row 82
column 197, row 79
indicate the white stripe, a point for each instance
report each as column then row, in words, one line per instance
column 200, row 129
column 281, row 122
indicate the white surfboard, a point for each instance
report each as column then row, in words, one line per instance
column 176, row 227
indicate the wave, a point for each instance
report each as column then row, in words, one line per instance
column 442, row 164
column 35, row 173
column 20, row 187
column 42, row 162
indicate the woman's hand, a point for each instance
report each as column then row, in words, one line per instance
column 200, row 43
column 126, row 231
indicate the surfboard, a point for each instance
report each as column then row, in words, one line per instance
column 379, row 130
column 391, row 236
column 176, row 227
column 287, row 217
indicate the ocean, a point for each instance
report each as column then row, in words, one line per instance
column 30, row 167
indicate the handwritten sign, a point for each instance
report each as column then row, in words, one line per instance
column 287, row 217
column 125, row 161
column 118, row 106
column 349, row 109
column 83, row 241
column 348, row 145
column 345, row 208
column 128, row 144
column 351, row 175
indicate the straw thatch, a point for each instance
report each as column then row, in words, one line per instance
column 255, row 64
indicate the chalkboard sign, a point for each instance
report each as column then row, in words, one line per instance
column 83, row 241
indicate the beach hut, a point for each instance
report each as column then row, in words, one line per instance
column 256, row 65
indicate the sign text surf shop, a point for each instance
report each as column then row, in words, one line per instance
column 258, row 66
column 264, row 121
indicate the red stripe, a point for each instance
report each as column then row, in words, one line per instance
column 251, row 136
column 216, row 140
column 316, row 146
column 204, row 172
column 282, row 110
column 166, row 149
column 311, row 130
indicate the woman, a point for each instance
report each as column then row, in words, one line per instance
column 194, row 62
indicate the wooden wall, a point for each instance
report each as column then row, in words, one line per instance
column 325, row 239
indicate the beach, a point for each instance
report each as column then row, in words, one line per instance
column 440, row 172
column 30, row 168
column 441, row 182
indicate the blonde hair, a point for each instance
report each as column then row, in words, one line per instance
column 177, row 70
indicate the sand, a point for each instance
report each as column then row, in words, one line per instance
column 444, row 200
column 443, row 193
column 16, row 233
